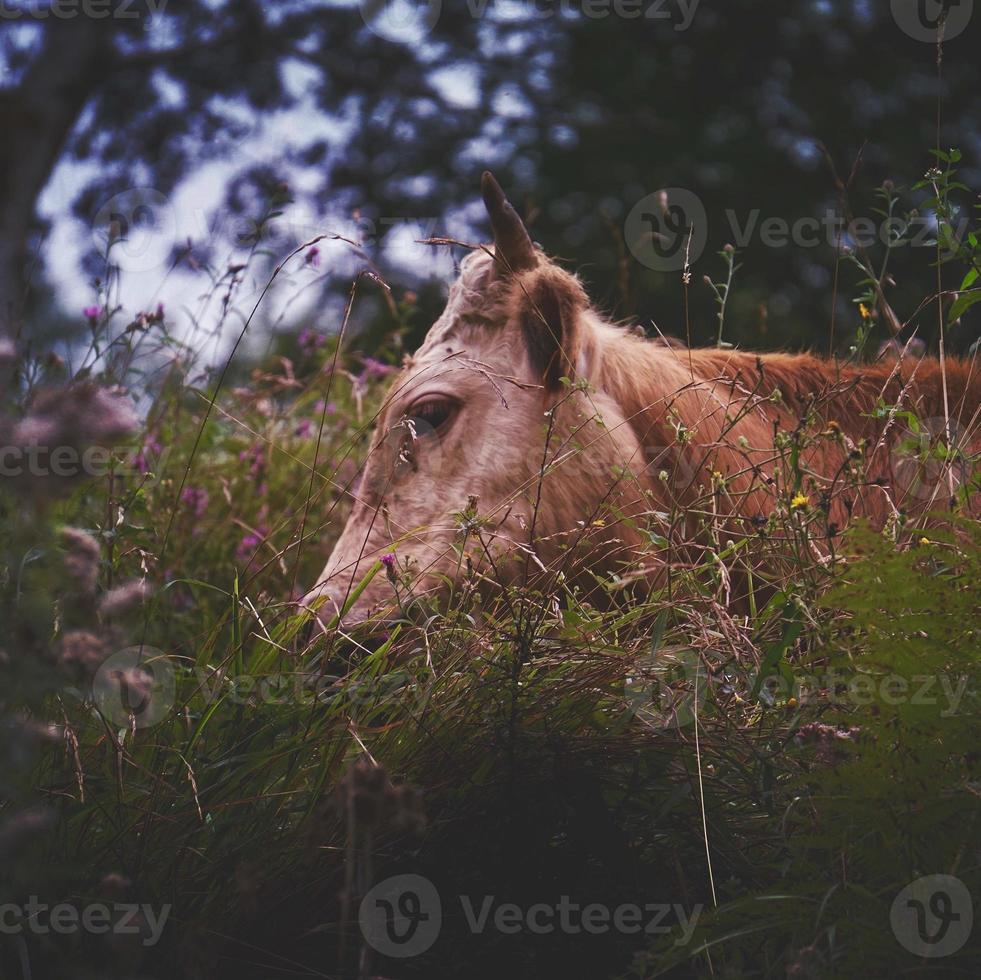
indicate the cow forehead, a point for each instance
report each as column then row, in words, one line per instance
column 474, row 304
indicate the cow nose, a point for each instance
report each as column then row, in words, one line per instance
column 356, row 632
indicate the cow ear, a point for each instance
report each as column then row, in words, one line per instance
column 551, row 303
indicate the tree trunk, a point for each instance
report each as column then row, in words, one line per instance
column 36, row 119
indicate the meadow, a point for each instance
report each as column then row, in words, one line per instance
column 179, row 735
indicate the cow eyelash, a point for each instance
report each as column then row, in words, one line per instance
column 434, row 413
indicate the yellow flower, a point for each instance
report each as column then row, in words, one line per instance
column 864, row 311
column 924, row 541
column 799, row 501
column 599, row 522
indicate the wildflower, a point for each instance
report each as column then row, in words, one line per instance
column 92, row 314
column 114, row 885
column 864, row 312
column 82, row 558
column 304, row 429
column 149, row 448
column 309, row 340
column 256, row 458
column 197, row 499
column 325, row 408
column 599, row 522
column 833, row 426
column 924, row 541
column 82, row 652
column 375, row 370
column 389, row 561
column 70, row 421
column 20, row 827
column 132, row 686
column 312, row 257
column 800, row 500
column 123, row 598
column 251, row 543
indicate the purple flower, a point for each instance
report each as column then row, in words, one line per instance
column 313, row 257
column 325, row 408
column 375, row 369
column 197, row 500
column 256, row 458
column 150, row 448
column 309, row 340
column 391, row 567
column 251, row 543
column 92, row 314
column 304, row 429
column 123, row 598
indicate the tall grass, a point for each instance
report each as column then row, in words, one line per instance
column 760, row 768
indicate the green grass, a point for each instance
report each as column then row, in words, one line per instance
column 764, row 766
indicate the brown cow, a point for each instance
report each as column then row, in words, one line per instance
column 526, row 423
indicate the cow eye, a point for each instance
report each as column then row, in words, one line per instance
column 432, row 414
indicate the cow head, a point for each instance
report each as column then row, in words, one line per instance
column 489, row 458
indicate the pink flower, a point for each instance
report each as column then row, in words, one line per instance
column 92, row 314
column 256, row 458
column 197, row 500
column 304, row 429
column 150, row 448
column 310, row 340
column 375, row 369
column 250, row 544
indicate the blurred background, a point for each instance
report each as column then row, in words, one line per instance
column 176, row 152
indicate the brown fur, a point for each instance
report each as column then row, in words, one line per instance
column 546, row 458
